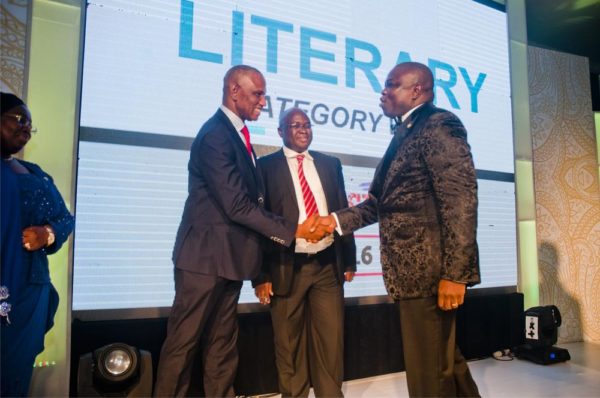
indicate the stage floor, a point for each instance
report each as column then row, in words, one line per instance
column 579, row 377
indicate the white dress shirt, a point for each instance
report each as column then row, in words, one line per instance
column 238, row 123
column 314, row 182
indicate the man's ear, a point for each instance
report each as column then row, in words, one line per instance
column 234, row 89
column 280, row 132
column 417, row 91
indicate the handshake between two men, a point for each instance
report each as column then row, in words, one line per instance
column 316, row 227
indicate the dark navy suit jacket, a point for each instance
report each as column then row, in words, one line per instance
column 278, row 266
column 224, row 222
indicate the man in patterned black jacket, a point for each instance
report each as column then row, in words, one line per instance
column 424, row 196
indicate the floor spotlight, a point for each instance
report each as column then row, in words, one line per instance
column 541, row 333
column 115, row 369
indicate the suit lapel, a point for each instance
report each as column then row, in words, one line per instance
column 414, row 123
column 411, row 126
column 326, row 183
column 286, row 182
column 239, row 145
column 383, row 167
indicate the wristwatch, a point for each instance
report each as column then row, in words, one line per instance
column 51, row 237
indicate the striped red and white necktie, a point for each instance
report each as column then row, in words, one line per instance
column 309, row 199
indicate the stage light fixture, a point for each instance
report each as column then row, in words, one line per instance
column 541, row 333
column 115, row 366
column 116, row 369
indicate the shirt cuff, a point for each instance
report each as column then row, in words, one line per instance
column 338, row 228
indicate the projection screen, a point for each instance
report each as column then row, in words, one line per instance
column 152, row 75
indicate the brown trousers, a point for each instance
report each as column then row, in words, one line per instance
column 308, row 326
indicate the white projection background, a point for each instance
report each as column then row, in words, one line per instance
column 152, row 75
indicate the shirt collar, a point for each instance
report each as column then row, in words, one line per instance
column 407, row 114
column 290, row 153
column 237, row 122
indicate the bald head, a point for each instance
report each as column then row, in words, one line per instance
column 285, row 116
column 408, row 85
column 234, row 74
column 416, row 74
column 295, row 129
column 244, row 89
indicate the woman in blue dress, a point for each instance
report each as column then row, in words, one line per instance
column 35, row 224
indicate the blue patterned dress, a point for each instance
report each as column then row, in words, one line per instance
column 33, row 298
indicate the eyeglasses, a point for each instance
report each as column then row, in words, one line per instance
column 22, row 121
column 298, row 126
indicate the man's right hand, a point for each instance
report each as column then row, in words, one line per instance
column 328, row 222
column 315, row 228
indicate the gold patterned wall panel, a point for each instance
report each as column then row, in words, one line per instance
column 13, row 33
column 566, row 190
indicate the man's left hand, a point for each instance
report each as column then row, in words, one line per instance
column 264, row 291
column 450, row 294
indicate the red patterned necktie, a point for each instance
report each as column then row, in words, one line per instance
column 309, row 200
column 247, row 138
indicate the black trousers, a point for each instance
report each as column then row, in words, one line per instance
column 434, row 365
column 203, row 316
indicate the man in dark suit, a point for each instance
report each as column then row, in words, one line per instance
column 424, row 195
column 304, row 282
column 219, row 242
